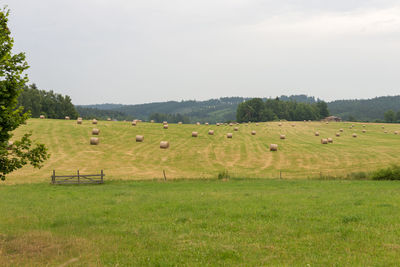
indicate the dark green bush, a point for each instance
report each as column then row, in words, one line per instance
column 390, row 173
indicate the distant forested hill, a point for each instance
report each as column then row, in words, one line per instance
column 212, row 111
column 364, row 109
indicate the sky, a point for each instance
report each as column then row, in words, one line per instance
column 140, row 51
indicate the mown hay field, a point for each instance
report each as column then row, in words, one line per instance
column 300, row 155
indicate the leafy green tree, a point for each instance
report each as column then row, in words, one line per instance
column 12, row 80
column 398, row 116
column 390, row 116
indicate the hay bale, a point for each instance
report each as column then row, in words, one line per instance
column 341, row 130
column 152, row 121
column 139, row 138
column 330, row 140
column 134, row 123
column 383, row 127
column 108, row 119
column 363, row 125
column 94, row 141
column 94, row 121
column 280, row 124
column 231, row 124
column 364, row 131
column 211, row 132
column 79, row 121
column 95, row 131
column 229, row 135
column 396, row 132
column 67, row 118
column 324, row 141
column 236, row 129
column 316, row 133
column 354, row 135
column 256, row 124
column 80, row 118
column 206, row 123
column 217, row 124
column 253, row 132
column 164, row 122
column 282, row 136
column 165, row 126
column 293, row 125
column 385, row 132
column 10, row 145
column 41, row 116
column 164, row 144
column 197, row 123
column 194, row 134
column 273, row 147
column 180, row 123
column 337, row 134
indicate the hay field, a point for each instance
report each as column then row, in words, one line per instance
column 300, row 155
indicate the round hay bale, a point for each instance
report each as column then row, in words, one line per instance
column 108, row 119
column 253, row 132
column 164, row 122
column 165, row 126
column 206, row 123
column 282, row 136
column 236, row 129
column 152, row 121
column 273, row 147
column 280, row 124
column 383, row 127
column 326, row 122
column 164, row 144
column 94, row 141
column 364, row 131
column 10, row 145
column 256, row 124
column 385, row 132
column 354, row 135
column 95, row 131
column 217, row 124
column 80, row 118
column 293, row 125
column 396, row 132
column 330, row 140
column 337, row 134
column 363, row 125
column 316, row 133
column 134, row 123
column 211, row 132
column 324, row 141
column 79, row 121
column 67, row 118
column 139, row 138
column 94, row 121
column 194, row 134
column 229, row 135
column 197, row 123
column 180, row 123
column 341, row 130
column 231, row 124
column 42, row 116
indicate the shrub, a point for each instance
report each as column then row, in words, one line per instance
column 390, row 173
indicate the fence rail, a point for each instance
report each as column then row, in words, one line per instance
column 78, row 178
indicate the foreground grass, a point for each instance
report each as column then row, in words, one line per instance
column 202, row 222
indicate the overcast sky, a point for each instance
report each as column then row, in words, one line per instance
column 138, row 51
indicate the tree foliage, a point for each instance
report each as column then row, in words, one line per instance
column 47, row 103
column 12, row 80
column 273, row 109
column 172, row 118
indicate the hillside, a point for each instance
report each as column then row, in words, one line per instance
column 300, row 155
column 224, row 109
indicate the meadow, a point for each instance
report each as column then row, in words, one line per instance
column 300, row 155
column 194, row 222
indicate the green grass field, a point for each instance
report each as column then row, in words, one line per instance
column 250, row 222
column 301, row 155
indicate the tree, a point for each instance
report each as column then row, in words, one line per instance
column 390, row 116
column 12, row 80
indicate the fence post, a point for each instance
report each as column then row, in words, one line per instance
column 101, row 176
column 79, row 180
column 53, row 178
column 165, row 177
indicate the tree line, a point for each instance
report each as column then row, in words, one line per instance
column 47, row 103
column 172, row 118
column 392, row 116
column 275, row 109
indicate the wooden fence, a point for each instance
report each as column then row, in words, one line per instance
column 78, row 179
